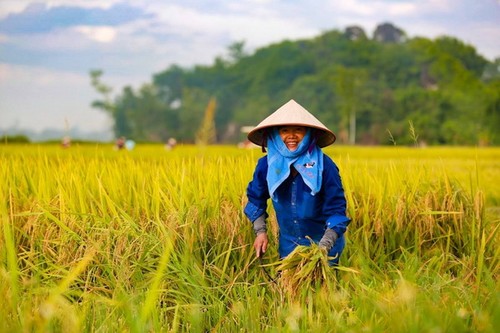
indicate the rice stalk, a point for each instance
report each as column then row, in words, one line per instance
column 305, row 269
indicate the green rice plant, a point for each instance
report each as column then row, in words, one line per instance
column 96, row 240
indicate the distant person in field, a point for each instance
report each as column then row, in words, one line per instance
column 66, row 142
column 120, row 143
column 171, row 143
column 303, row 183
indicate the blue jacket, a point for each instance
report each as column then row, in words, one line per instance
column 300, row 214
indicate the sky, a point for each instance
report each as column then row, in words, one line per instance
column 47, row 48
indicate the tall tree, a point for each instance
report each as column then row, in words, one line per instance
column 350, row 83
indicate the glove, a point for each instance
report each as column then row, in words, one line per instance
column 260, row 230
column 259, row 225
column 328, row 239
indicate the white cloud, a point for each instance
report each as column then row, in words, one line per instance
column 59, row 40
column 216, row 30
column 403, row 9
column 11, row 7
column 17, row 6
column 104, row 4
column 441, row 5
column 365, row 8
column 354, row 7
column 99, row 34
column 20, row 76
column 32, row 97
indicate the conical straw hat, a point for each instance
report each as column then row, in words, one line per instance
column 291, row 113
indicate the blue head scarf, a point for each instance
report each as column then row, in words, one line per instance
column 307, row 159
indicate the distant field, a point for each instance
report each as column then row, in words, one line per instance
column 98, row 240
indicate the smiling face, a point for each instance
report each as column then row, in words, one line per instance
column 292, row 136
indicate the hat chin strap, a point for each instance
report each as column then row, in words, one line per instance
column 264, row 140
column 315, row 136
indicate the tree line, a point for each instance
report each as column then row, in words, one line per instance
column 383, row 89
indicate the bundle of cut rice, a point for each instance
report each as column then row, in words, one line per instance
column 305, row 268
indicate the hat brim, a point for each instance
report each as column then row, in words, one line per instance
column 291, row 114
column 258, row 135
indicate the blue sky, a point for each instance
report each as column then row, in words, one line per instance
column 48, row 47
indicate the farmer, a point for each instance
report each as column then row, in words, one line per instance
column 120, row 143
column 303, row 183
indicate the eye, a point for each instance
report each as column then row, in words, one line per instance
column 284, row 130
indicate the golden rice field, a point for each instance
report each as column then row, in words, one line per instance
column 150, row 240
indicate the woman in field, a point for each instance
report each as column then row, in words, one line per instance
column 303, row 183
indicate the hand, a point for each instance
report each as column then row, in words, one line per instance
column 260, row 244
column 328, row 239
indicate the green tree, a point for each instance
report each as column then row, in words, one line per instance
column 367, row 90
column 121, row 126
column 106, row 103
column 350, row 86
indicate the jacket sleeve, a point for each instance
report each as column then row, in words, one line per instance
column 335, row 204
column 257, row 192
